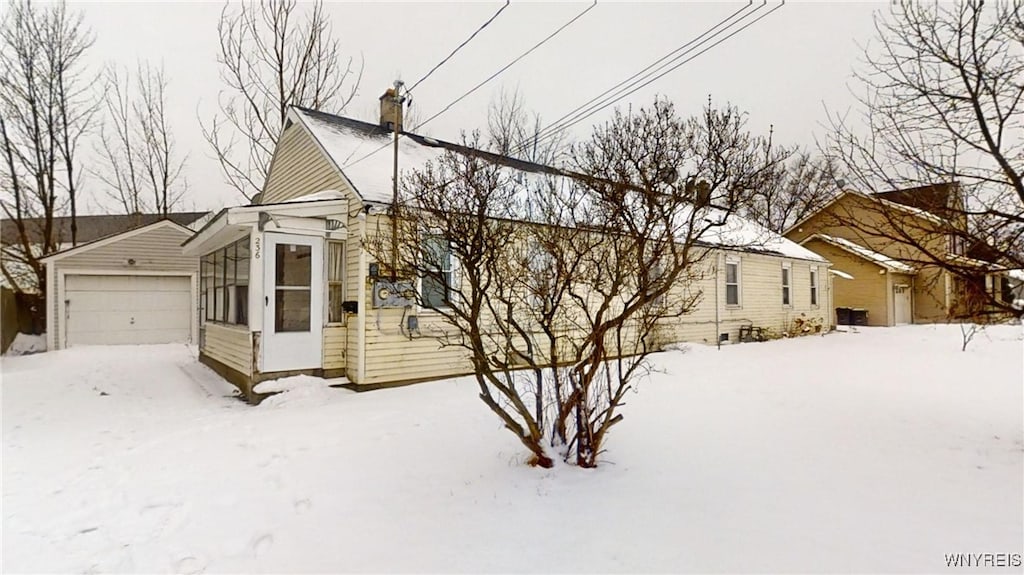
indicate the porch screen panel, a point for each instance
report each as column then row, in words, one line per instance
column 242, row 282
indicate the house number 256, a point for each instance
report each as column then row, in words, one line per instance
column 256, row 248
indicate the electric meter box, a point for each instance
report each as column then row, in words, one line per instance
column 400, row 293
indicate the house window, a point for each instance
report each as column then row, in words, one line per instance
column 225, row 284
column 335, row 281
column 787, row 272
column 814, row 286
column 437, row 256
column 732, row 282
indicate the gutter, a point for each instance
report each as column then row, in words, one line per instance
column 361, row 317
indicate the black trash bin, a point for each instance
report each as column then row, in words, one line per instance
column 858, row 316
column 842, row 316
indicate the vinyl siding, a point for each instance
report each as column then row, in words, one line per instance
column 867, row 290
column 154, row 250
column 298, row 168
column 158, row 250
column 230, row 345
column 929, row 295
column 391, row 356
column 760, row 299
column 334, row 347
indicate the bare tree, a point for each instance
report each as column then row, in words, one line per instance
column 46, row 106
column 799, row 186
column 513, row 131
column 273, row 55
column 140, row 164
column 564, row 277
column 943, row 117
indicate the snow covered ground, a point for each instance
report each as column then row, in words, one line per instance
column 882, row 450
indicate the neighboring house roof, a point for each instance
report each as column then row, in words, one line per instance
column 357, row 149
column 864, row 253
column 923, row 214
column 114, row 237
column 939, row 199
column 90, row 228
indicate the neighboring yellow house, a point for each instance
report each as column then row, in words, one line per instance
column 288, row 287
column 869, row 237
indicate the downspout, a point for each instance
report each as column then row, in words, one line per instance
column 361, row 317
column 718, row 303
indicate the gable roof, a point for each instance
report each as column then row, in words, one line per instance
column 940, row 199
column 357, row 149
column 90, row 228
column 100, row 242
column 876, row 198
column 361, row 152
column 864, row 253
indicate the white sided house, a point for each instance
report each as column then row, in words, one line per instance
column 134, row 287
column 287, row 286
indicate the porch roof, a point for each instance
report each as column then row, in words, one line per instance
column 305, row 217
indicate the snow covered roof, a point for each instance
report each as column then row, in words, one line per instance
column 1016, row 274
column 864, row 253
column 362, row 152
column 743, row 234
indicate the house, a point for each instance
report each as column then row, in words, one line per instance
column 288, row 286
column 889, row 243
column 126, row 282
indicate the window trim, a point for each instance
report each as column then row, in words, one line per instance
column 787, row 284
column 815, row 288
column 737, row 261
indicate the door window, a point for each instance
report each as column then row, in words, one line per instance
column 292, row 287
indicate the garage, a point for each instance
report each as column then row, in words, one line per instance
column 127, row 309
column 135, row 287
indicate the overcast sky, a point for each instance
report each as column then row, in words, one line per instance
column 782, row 70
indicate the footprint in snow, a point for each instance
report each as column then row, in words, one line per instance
column 189, row 565
column 262, row 544
column 303, row 505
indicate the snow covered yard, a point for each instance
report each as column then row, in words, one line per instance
column 882, row 450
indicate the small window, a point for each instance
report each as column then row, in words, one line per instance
column 335, row 281
column 814, row 286
column 787, row 271
column 732, row 282
column 438, row 259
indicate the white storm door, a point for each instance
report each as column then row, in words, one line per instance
column 293, row 302
column 902, row 304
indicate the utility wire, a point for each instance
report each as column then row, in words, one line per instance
column 489, row 78
column 655, row 78
column 512, row 63
column 459, row 47
column 554, row 126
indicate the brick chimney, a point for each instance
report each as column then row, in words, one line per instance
column 391, row 110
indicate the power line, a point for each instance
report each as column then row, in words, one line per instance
column 512, row 63
column 554, row 126
column 488, row 79
column 633, row 90
column 459, row 47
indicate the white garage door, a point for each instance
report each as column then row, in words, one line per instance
column 106, row 310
